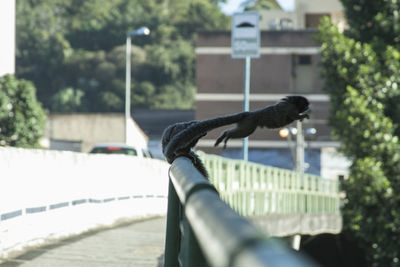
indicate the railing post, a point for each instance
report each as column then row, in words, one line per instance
column 172, row 240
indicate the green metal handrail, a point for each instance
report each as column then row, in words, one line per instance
column 202, row 230
column 254, row 190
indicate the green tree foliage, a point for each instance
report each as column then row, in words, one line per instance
column 41, row 45
column 67, row 100
column 74, row 51
column 374, row 21
column 361, row 70
column 22, row 119
column 260, row 5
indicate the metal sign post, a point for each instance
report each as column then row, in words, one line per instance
column 246, row 44
column 246, row 103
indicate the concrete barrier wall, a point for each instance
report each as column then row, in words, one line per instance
column 46, row 195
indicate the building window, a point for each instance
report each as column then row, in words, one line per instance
column 302, row 74
column 304, row 60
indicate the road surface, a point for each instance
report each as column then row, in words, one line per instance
column 135, row 244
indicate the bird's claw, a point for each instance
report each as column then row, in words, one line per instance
column 224, row 137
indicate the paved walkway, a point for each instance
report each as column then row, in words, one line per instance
column 136, row 244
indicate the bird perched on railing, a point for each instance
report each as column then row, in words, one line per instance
column 179, row 139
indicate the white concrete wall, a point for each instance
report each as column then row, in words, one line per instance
column 46, row 195
column 94, row 128
column 7, row 40
column 333, row 163
column 136, row 137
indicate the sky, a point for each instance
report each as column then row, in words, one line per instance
column 231, row 6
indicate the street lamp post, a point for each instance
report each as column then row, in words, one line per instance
column 299, row 147
column 299, row 152
column 140, row 31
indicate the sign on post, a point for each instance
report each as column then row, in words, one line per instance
column 246, row 44
column 245, row 35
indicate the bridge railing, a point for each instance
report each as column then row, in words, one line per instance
column 203, row 230
column 253, row 189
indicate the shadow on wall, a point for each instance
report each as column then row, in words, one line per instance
column 278, row 157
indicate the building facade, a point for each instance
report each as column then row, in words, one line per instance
column 80, row 131
column 306, row 15
column 288, row 65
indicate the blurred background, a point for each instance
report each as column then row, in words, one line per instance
column 110, row 76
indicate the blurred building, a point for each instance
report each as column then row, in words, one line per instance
column 288, row 65
column 80, row 132
column 7, row 32
column 306, row 15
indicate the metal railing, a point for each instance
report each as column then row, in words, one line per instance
column 253, row 189
column 202, row 230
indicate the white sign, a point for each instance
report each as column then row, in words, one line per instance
column 245, row 35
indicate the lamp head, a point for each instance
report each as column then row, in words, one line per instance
column 284, row 132
column 140, row 31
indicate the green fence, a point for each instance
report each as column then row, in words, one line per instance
column 254, row 190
